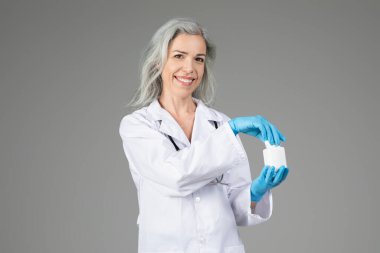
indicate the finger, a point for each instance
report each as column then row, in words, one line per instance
column 275, row 172
column 269, row 175
column 279, row 176
column 264, row 171
column 265, row 123
column 261, row 124
column 269, row 133
column 275, row 134
column 263, row 132
column 286, row 171
column 262, row 117
column 282, row 137
column 285, row 174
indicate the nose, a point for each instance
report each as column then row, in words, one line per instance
column 188, row 65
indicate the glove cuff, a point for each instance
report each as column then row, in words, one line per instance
column 256, row 198
column 233, row 127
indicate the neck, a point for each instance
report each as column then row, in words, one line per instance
column 178, row 106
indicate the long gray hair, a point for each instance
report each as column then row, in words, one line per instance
column 154, row 58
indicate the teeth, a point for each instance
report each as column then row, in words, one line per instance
column 184, row 80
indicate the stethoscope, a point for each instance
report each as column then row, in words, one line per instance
column 218, row 180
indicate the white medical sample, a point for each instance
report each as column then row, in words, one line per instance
column 274, row 155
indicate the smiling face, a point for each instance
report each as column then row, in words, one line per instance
column 184, row 68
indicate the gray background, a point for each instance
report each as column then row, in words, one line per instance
column 69, row 67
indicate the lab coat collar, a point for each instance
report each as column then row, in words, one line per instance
column 170, row 126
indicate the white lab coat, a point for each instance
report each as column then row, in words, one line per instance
column 180, row 209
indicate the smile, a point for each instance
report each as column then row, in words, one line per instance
column 183, row 81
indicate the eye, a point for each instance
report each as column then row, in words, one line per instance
column 178, row 56
column 200, row 59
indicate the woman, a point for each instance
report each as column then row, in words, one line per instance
column 189, row 166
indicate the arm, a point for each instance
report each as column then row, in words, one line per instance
column 240, row 196
column 259, row 191
column 178, row 173
column 253, row 206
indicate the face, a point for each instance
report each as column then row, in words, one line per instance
column 184, row 68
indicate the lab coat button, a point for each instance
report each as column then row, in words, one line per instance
column 197, row 199
column 202, row 240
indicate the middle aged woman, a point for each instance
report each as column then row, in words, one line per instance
column 189, row 166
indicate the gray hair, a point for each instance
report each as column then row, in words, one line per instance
column 154, row 57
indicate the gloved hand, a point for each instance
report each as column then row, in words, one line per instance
column 267, row 180
column 259, row 127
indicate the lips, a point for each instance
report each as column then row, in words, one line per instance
column 185, row 81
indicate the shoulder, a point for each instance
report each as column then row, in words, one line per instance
column 134, row 117
column 135, row 122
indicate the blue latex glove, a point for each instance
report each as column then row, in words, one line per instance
column 267, row 180
column 259, row 127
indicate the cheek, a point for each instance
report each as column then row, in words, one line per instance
column 170, row 71
column 166, row 74
column 201, row 72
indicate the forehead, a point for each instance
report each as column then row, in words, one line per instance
column 188, row 43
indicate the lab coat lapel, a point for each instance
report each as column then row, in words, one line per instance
column 169, row 126
column 202, row 123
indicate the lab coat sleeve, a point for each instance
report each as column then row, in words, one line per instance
column 152, row 156
column 240, row 197
column 240, row 201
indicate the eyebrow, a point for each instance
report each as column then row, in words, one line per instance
column 187, row 53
